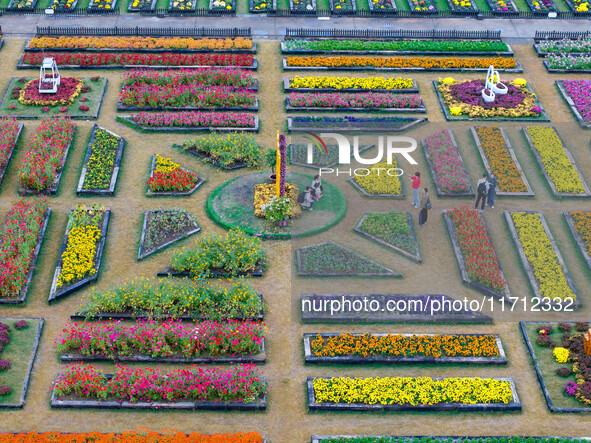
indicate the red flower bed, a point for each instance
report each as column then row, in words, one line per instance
column 140, row 436
column 67, row 91
column 162, row 59
column 8, row 133
column 479, row 253
column 179, row 180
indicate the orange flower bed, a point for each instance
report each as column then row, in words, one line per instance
column 405, row 346
column 501, row 163
column 582, row 222
column 139, row 436
column 402, row 62
column 75, row 42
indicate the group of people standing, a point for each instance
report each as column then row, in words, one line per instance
column 486, row 188
column 312, row 194
column 422, row 203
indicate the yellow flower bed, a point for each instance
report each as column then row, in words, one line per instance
column 558, row 166
column 412, row 391
column 378, row 181
column 318, row 82
column 561, row 355
column 540, row 254
column 165, row 164
column 264, row 192
column 78, row 258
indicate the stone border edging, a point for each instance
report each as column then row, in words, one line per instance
column 187, row 129
column 569, row 101
column 171, row 193
column 413, row 122
column 578, row 240
column 412, row 90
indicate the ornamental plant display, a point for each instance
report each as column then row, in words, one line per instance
column 542, row 6
column 580, row 93
column 424, row 6
column 302, row 5
column 398, row 45
column 114, row 339
column 262, row 5
column 411, row 391
column 393, row 228
column 204, row 77
column 569, row 62
column 240, row 383
column 67, row 92
column 227, row 150
column 138, row 5
column 557, row 164
column 348, row 123
column 43, row 161
column 502, row 6
column 63, row 5
column 222, row 4
column 379, row 182
column 442, row 63
column 233, row 254
column 164, row 226
column 182, row 5
column 165, row 298
column 463, row 97
column 480, row 257
column 372, row 83
column 4, row 364
column 18, row 238
column 582, row 223
column 343, row 5
column 102, row 4
column 139, row 436
column 538, row 250
column 265, row 193
column 346, row 100
column 194, row 120
column 502, row 165
column 579, row 5
column 169, row 176
column 20, row 4
column 9, row 132
column 463, row 5
column 447, row 163
column 369, row 345
column 138, row 59
column 101, row 163
column 566, row 46
column 382, row 5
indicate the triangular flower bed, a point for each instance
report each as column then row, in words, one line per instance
column 168, row 178
column 161, row 228
column 330, row 259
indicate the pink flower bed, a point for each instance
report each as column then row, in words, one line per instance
column 186, row 95
column 351, row 100
column 447, row 164
column 580, row 93
column 194, row 119
column 205, row 77
column 8, row 133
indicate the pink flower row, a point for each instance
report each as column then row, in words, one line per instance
column 353, row 100
column 447, row 163
column 580, row 92
column 194, row 119
column 8, row 133
column 186, row 95
column 203, row 76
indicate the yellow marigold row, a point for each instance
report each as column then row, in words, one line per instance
column 401, row 62
column 379, row 180
column 165, row 164
column 78, row 258
column 79, row 42
column 351, row 82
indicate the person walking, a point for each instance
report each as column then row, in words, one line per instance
column 424, row 207
column 481, row 191
column 492, row 189
column 416, row 185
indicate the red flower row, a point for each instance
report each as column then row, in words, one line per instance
column 179, row 180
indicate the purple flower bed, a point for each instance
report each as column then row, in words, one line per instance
column 470, row 93
column 351, row 122
column 352, row 100
column 194, row 119
column 580, row 93
column 446, row 162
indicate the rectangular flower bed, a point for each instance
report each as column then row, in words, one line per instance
column 422, row 6
column 302, row 7
column 165, row 299
column 352, row 124
column 222, row 6
column 476, row 256
column 42, row 168
column 163, row 227
column 139, row 436
column 259, row 6
column 353, row 102
column 298, row 155
column 10, row 133
column 542, row 7
column 191, row 121
column 502, row 7
column 387, row 308
column 579, row 7
column 141, row 5
column 182, row 6
column 63, row 5
column 568, row 64
column 171, row 341
column 380, row 181
column 342, row 7
column 78, row 98
column 565, row 46
column 168, row 178
column 427, row 64
column 464, row 7
column 579, row 224
column 101, row 164
column 391, row 229
column 362, row 348
column 499, row 158
column 577, row 94
column 237, row 388
column 446, row 439
column 22, row 4
column 19, row 338
column 349, row 84
column 82, row 250
column 556, row 162
column 380, row 394
column 102, row 5
column 446, row 165
column 382, row 7
column 204, row 77
column 548, row 276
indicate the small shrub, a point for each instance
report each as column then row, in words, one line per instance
column 544, row 340
column 64, row 109
column 548, row 329
column 85, row 89
column 12, row 107
column 582, row 326
column 564, row 327
column 22, row 80
column 21, row 325
column 83, row 99
column 45, row 109
column 84, row 108
column 565, row 371
column 95, row 79
column 4, row 365
column 5, row 390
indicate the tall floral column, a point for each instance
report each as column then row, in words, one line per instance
column 283, row 164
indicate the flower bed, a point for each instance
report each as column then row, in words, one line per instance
column 102, row 162
column 141, row 5
column 503, row 7
column 380, row 182
column 149, row 298
column 82, row 250
column 100, row 60
column 41, row 169
column 579, row 223
column 340, row 62
column 204, row 77
column 258, row 6
column 196, row 387
column 182, row 5
column 331, row 259
column 67, row 91
column 349, row 84
column 409, row 393
column 568, row 63
column 578, row 6
column 499, row 158
column 388, row 439
column 577, row 94
column 302, row 6
column 365, row 348
column 63, row 5
column 542, row 261
column 392, row 229
column 264, row 193
column 382, row 6
column 556, row 162
column 222, row 5
column 422, row 6
column 169, row 341
column 227, row 151
column 446, row 165
column 192, row 121
column 22, row 4
column 565, row 46
column 139, row 436
column 20, row 241
column 359, row 101
column 102, row 4
column 10, row 132
column 163, row 227
column 168, row 178
column 477, row 257
column 138, row 44
column 342, row 7
column 462, row 100
column 352, row 124
column 542, row 7
column 298, row 155
column 466, row 7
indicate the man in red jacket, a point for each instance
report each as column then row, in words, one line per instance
column 416, row 185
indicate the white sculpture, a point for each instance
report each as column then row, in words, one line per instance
column 493, row 85
column 48, row 82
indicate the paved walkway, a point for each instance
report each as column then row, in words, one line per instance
column 274, row 27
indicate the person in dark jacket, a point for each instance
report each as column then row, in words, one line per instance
column 492, row 189
column 424, row 207
column 481, row 191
